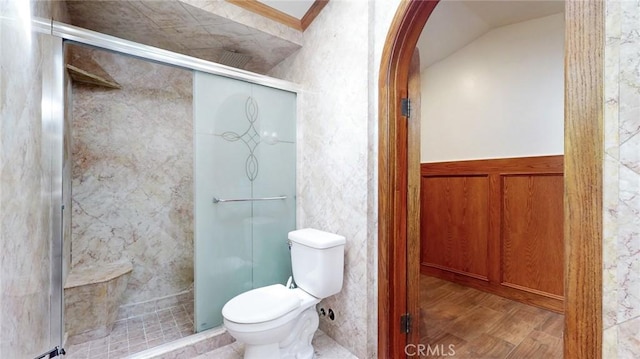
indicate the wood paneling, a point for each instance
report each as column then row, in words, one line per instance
column 496, row 224
column 532, row 233
column 526, row 165
column 455, row 223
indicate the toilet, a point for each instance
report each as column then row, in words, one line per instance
column 278, row 322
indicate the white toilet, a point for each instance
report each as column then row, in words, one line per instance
column 276, row 322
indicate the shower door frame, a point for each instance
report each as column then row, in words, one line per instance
column 54, row 84
column 107, row 42
column 52, row 120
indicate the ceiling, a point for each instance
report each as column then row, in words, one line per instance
column 213, row 30
column 220, row 31
column 454, row 23
column 295, row 8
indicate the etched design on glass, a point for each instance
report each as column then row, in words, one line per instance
column 250, row 137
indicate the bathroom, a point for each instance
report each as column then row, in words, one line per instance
column 339, row 133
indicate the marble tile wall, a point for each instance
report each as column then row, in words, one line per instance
column 332, row 159
column 133, row 175
column 337, row 159
column 158, row 304
column 621, row 248
column 383, row 14
column 25, row 182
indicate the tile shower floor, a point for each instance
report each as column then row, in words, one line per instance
column 133, row 335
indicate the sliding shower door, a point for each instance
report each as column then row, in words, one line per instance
column 245, row 155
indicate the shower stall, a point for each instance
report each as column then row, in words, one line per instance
column 179, row 182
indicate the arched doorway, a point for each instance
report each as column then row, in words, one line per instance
column 398, row 269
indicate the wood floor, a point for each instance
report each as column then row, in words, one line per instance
column 478, row 325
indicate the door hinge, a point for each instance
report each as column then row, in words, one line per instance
column 405, row 323
column 405, row 105
column 52, row 353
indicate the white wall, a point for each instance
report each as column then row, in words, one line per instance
column 500, row 96
column 460, row 24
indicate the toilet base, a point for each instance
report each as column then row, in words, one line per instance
column 297, row 345
column 266, row 351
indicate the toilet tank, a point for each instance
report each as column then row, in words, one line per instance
column 317, row 261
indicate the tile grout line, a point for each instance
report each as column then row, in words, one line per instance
column 145, row 327
column 125, row 329
column 109, row 351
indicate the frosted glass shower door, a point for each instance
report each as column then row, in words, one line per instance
column 245, row 157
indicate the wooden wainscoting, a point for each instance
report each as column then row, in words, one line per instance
column 496, row 225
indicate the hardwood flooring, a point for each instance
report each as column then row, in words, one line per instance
column 464, row 323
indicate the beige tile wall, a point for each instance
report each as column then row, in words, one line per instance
column 25, row 182
column 621, row 252
column 332, row 158
column 337, row 157
column 133, row 175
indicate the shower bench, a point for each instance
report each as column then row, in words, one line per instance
column 92, row 295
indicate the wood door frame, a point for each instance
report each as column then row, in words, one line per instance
column 584, row 47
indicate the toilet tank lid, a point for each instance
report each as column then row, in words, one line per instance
column 316, row 239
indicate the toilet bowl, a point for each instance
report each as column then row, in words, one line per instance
column 277, row 322
column 265, row 318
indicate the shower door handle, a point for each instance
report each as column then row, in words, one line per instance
column 220, row 200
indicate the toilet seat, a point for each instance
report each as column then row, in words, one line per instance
column 243, row 312
column 261, row 305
